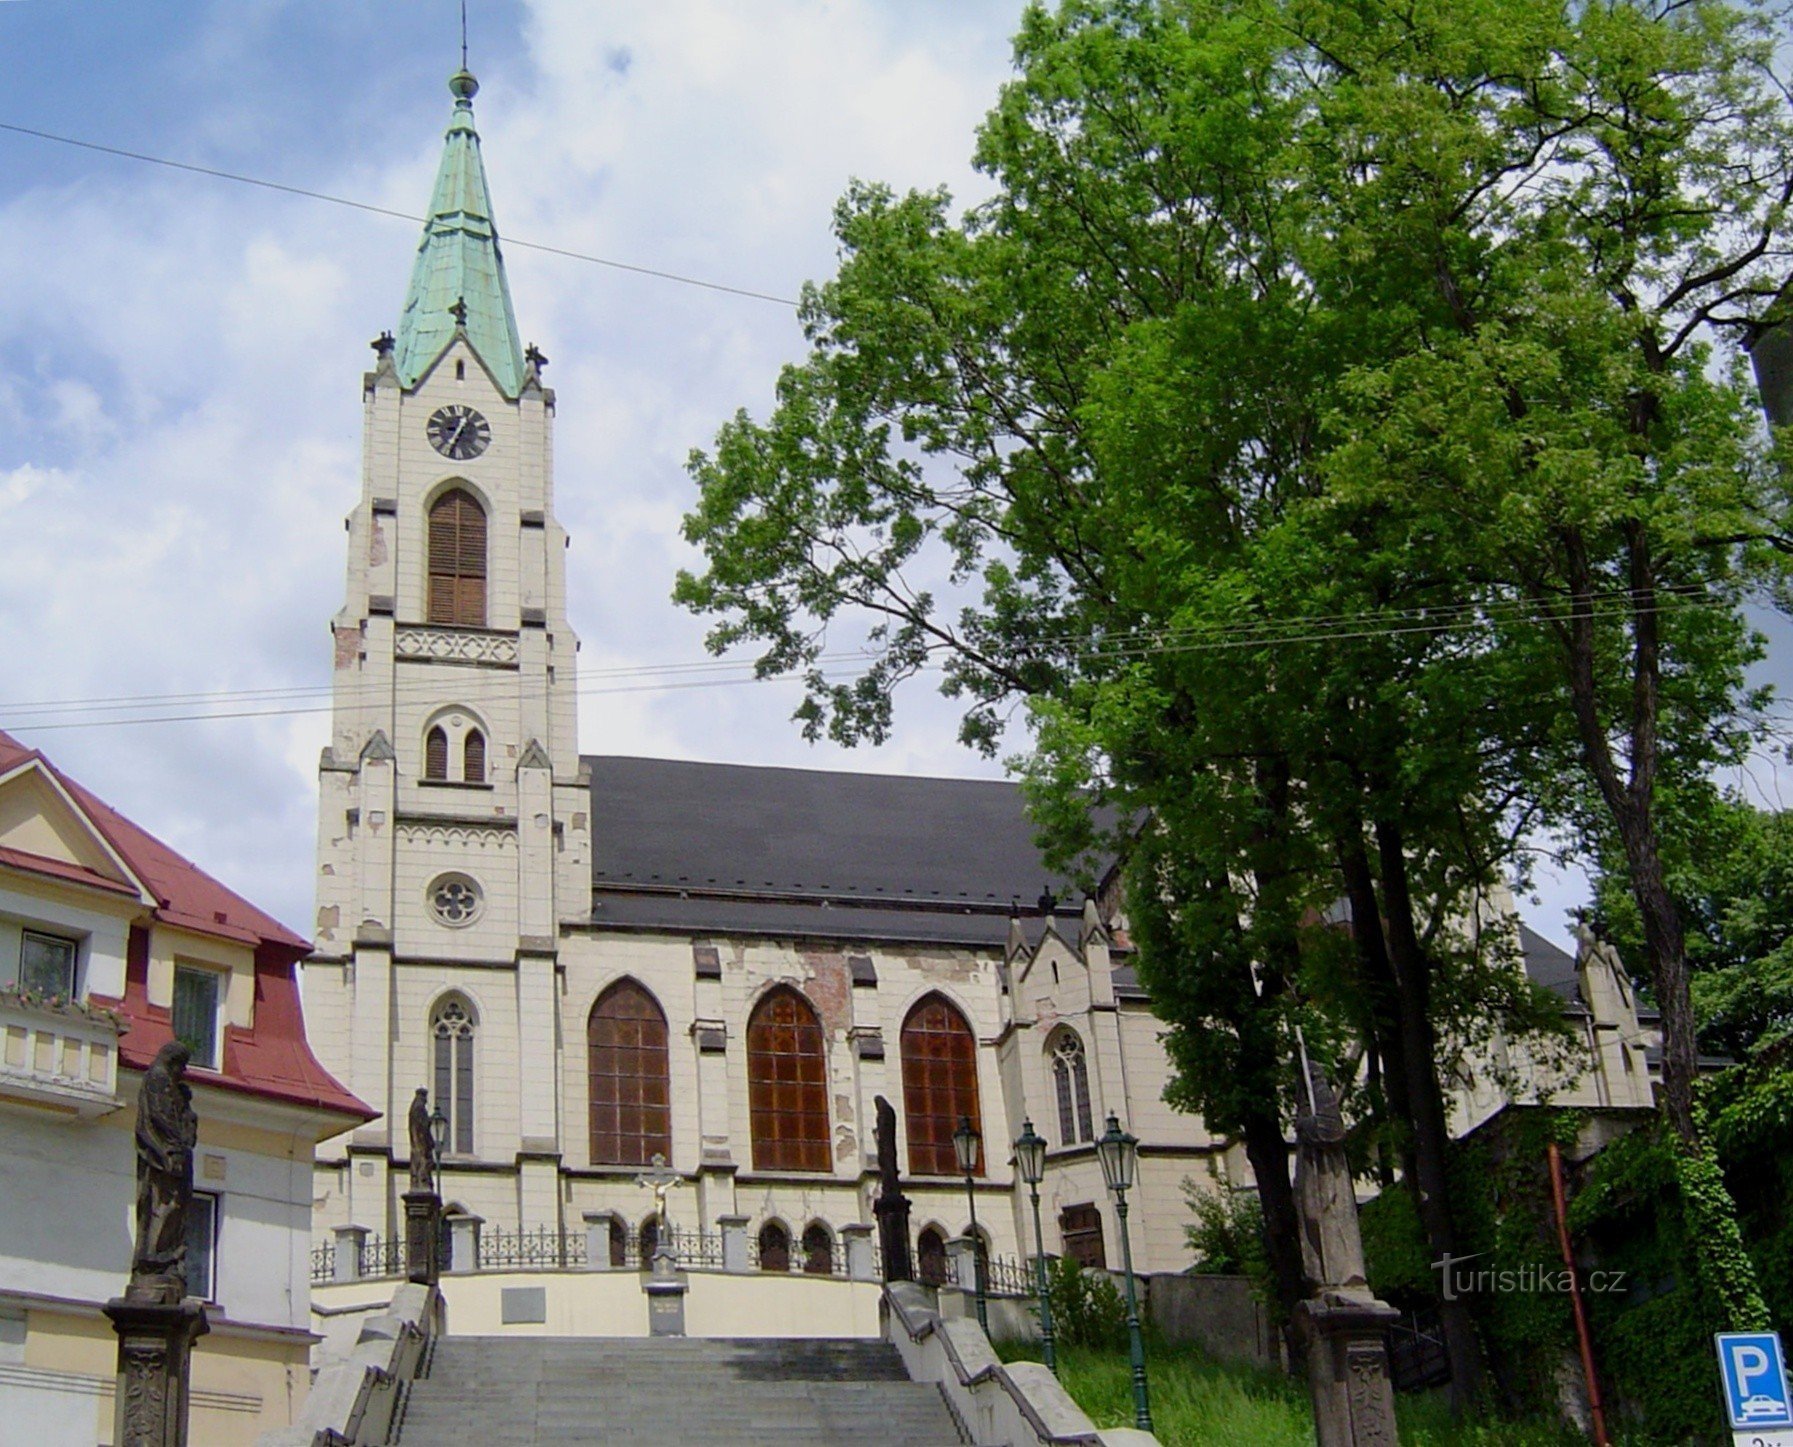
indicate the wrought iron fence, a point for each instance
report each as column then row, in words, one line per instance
column 1003, row 1275
column 540, row 1247
column 701, row 1249
column 323, row 1263
column 382, row 1256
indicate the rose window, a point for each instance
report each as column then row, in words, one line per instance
column 456, row 900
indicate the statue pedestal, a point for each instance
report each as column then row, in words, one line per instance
column 1347, row 1369
column 665, row 1287
column 423, row 1236
column 155, row 1349
column 892, row 1213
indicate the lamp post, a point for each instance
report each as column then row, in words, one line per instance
column 438, row 1138
column 965, row 1145
column 1118, row 1150
column 1030, row 1158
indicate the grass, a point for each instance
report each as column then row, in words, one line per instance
column 1199, row 1402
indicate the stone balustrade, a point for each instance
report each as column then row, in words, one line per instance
column 57, row 1054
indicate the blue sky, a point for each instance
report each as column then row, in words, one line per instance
column 180, row 358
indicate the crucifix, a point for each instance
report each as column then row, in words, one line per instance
column 661, row 1179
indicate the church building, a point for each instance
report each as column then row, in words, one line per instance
column 591, row 962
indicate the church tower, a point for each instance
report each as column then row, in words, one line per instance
column 452, row 814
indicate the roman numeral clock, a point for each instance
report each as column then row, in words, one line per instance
column 459, row 432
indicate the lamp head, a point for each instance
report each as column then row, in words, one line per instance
column 1118, row 1150
column 965, row 1144
column 1030, row 1154
column 438, row 1128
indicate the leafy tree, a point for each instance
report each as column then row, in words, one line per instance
column 1314, row 431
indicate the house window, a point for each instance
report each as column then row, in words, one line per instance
column 202, row 1246
column 473, row 757
column 787, row 1093
column 626, row 1057
column 818, row 1250
column 452, row 1030
column 435, row 753
column 1081, row 1228
column 197, row 994
column 775, row 1247
column 1070, row 1080
column 457, row 593
column 939, row 1085
column 47, row 965
column 930, row 1257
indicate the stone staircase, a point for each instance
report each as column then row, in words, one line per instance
column 670, row 1392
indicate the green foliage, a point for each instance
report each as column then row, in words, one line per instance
column 1227, row 1235
column 1087, row 1307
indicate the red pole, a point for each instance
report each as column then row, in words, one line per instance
column 1581, row 1320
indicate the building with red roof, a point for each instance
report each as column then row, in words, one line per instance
column 112, row 944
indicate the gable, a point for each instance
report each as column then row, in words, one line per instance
column 37, row 818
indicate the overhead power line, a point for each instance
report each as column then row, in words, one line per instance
column 245, row 180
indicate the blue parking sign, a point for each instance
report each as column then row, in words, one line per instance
column 1755, row 1378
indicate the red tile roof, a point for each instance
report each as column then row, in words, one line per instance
column 271, row 1059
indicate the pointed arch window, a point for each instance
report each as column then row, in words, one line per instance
column 1070, row 1081
column 818, row 1250
column 451, row 1029
column 626, row 1059
column 435, row 753
column 787, row 1092
column 473, row 757
column 775, row 1247
column 457, row 592
column 939, row 1085
column 930, row 1257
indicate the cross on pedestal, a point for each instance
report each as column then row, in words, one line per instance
column 661, row 1179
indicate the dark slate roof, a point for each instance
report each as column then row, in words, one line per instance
column 732, row 848
column 1551, row 967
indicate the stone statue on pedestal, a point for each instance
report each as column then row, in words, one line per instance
column 156, row 1323
column 167, row 1132
column 1345, row 1325
column 891, row 1208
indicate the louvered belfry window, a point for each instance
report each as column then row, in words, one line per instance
column 787, row 1092
column 473, row 757
column 458, row 560
column 435, row 753
column 631, row 1119
column 939, row 1085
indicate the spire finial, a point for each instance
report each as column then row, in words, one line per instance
column 463, row 34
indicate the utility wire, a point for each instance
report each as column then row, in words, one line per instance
column 368, row 206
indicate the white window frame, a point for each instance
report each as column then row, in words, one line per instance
column 27, row 935
column 213, row 1204
column 220, row 981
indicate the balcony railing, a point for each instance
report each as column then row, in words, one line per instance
column 59, row 1053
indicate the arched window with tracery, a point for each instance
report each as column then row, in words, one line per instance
column 473, row 757
column 1070, row 1081
column 787, row 1092
column 435, row 753
column 627, row 1069
column 775, row 1247
column 451, row 1031
column 457, row 531
column 939, row 1085
column 818, row 1250
column 930, row 1257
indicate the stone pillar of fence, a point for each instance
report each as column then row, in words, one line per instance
column 346, row 1264
column 734, row 1242
column 463, row 1242
column 597, row 1238
column 861, row 1252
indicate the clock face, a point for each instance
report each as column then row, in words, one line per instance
column 459, row 432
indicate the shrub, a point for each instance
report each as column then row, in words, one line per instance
column 1087, row 1309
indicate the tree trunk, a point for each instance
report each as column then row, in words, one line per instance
column 1268, row 1151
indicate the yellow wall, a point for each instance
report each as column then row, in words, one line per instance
column 241, row 1386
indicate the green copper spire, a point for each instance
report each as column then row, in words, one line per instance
column 458, row 281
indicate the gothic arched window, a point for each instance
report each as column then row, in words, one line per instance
column 451, row 1030
column 930, row 1257
column 939, row 1085
column 473, row 757
column 1070, row 1080
column 818, row 1250
column 775, row 1247
column 787, row 1091
column 435, row 753
column 648, row 1238
column 626, row 1061
column 457, row 560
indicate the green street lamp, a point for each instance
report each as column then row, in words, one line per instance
column 965, row 1145
column 439, row 1139
column 1119, row 1153
column 1030, row 1159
